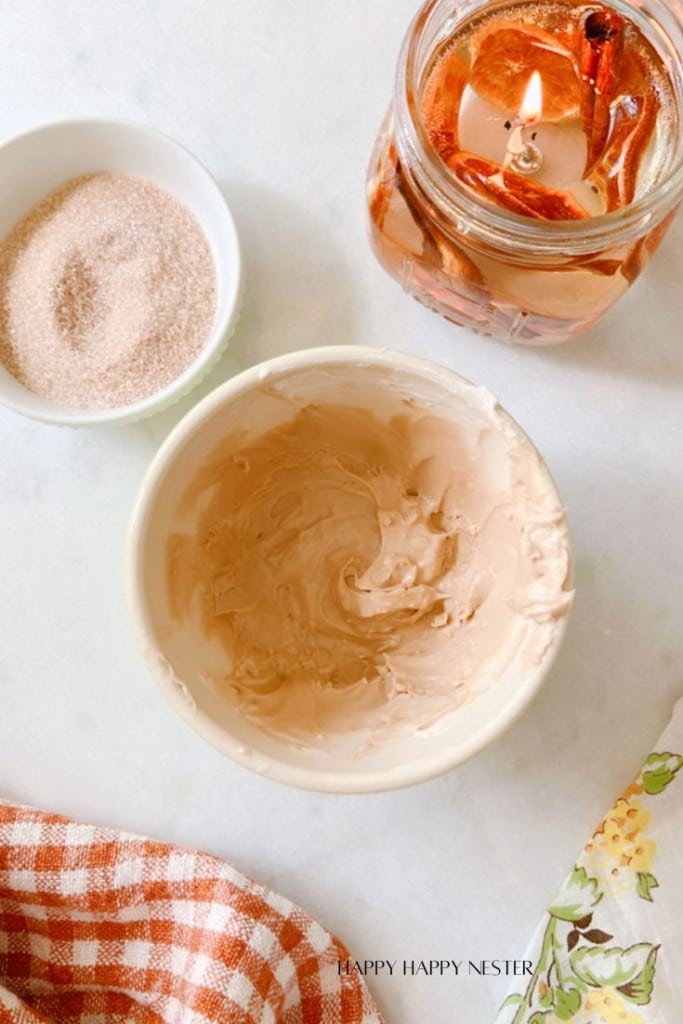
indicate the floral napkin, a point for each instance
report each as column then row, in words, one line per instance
column 610, row 949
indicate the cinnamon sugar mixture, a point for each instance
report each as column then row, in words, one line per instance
column 107, row 292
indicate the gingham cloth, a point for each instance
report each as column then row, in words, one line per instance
column 99, row 927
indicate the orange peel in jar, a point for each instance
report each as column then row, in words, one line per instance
column 440, row 102
column 504, row 57
column 514, row 192
column 634, row 120
column 383, row 173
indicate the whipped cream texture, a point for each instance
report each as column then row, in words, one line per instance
column 364, row 575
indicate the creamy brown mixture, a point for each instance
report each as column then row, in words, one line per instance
column 360, row 574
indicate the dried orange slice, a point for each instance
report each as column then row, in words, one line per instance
column 504, row 58
column 440, row 102
column 451, row 259
column 634, row 121
column 643, row 250
column 513, row 191
column 383, row 171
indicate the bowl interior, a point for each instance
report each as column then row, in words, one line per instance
column 34, row 164
column 176, row 654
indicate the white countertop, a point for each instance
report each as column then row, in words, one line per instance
column 282, row 100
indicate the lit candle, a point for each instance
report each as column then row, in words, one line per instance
column 485, row 129
column 522, row 154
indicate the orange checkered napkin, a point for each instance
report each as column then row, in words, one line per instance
column 99, row 927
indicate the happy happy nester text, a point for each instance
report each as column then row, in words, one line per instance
column 456, row 968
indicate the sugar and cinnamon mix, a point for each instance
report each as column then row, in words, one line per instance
column 107, row 292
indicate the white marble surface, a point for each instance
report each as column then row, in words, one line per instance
column 281, row 99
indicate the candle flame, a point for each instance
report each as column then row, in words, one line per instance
column 532, row 104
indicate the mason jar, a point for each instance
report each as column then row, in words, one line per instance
column 493, row 270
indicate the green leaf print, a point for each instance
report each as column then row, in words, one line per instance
column 577, row 898
column 659, row 770
column 567, row 1003
column 513, row 1000
column 645, row 884
column 639, row 990
column 615, row 967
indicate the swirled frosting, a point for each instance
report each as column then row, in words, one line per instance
column 362, row 574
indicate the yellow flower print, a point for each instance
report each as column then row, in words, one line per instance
column 630, row 816
column 614, row 841
column 603, row 1006
column 619, row 851
column 610, row 1008
column 643, row 854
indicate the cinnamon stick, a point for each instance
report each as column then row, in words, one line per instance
column 601, row 51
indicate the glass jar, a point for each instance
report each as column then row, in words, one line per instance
column 498, row 272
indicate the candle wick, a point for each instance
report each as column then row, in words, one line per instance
column 522, row 154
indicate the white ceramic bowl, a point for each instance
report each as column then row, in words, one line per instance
column 34, row 164
column 382, row 380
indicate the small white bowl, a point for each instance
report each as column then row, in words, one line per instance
column 36, row 163
column 383, row 381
